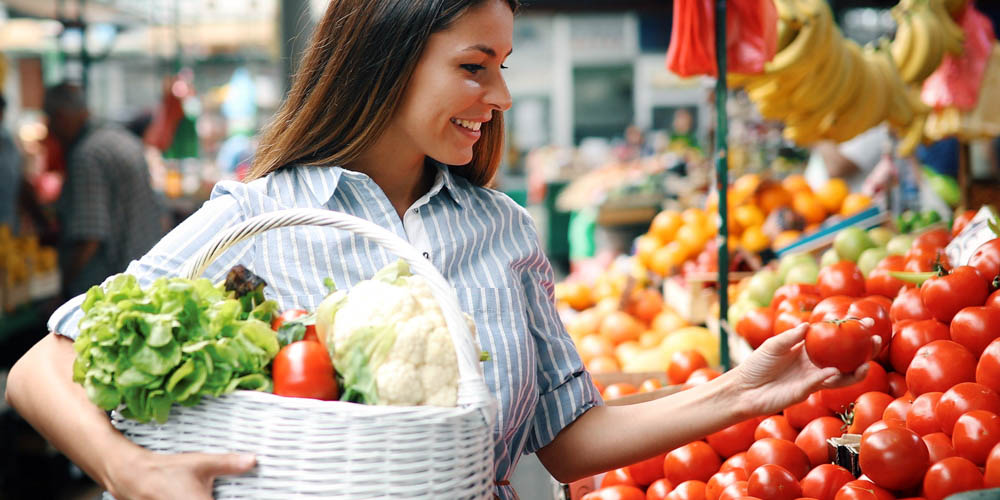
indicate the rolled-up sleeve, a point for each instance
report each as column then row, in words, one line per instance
column 566, row 389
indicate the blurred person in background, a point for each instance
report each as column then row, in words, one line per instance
column 107, row 210
column 852, row 160
column 11, row 174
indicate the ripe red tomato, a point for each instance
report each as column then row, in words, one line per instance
column 773, row 482
column 873, row 308
column 733, row 439
column 897, row 382
column 992, row 475
column 975, row 434
column 885, row 423
column 800, row 414
column 756, row 326
column 839, row 399
column 994, row 300
column 794, row 311
column 988, row 368
column 898, row 408
column 936, row 238
column 962, row 398
column 823, row 482
column 647, row 471
column 860, row 489
column 659, row 489
column 975, row 327
column 908, row 305
column 735, row 491
column 831, row 308
column 696, row 460
column 893, row 458
column 617, row 492
column 868, row 409
column 921, row 417
column 620, row 476
column 910, row 337
column 842, row 278
column 881, row 283
column 683, row 363
column 962, row 220
column 793, row 290
column 720, row 480
column 842, row 344
column 737, row 461
column 303, row 370
column 986, row 259
column 688, row 490
column 939, row 446
column 814, row 436
column 778, row 452
column 951, row 475
column 940, row 365
column 650, row 385
column 944, row 296
column 775, row 426
column 291, row 314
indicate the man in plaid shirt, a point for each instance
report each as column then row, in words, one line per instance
column 107, row 211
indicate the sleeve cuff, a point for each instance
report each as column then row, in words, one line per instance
column 561, row 407
column 65, row 320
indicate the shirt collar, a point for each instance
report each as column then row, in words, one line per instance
column 322, row 181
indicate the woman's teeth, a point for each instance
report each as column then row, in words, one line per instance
column 474, row 126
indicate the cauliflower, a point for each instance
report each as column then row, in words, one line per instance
column 389, row 341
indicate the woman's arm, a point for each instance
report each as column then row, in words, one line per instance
column 777, row 375
column 40, row 387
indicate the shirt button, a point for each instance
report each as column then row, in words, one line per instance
column 427, row 256
column 416, row 210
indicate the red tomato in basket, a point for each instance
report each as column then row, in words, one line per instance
column 986, row 260
column 951, row 475
column 618, row 492
column 946, row 295
column 303, row 370
column 842, row 344
column 293, row 314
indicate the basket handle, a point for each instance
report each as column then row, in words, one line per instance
column 472, row 387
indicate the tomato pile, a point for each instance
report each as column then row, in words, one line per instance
column 928, row 410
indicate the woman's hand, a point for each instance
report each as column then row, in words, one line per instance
column 149, row 476
column 779, row 374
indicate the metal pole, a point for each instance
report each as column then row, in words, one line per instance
column 722, row 176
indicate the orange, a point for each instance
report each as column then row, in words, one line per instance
column 785, row 238
column 645, row 246
column 665, row 225
column 692, row 237
column 808, row 206
column 668, row 322
column 592, row 346
column 650, row 385
column 575, row 294
column 615, row 391
column 651, row 338
column 796, row 183
column 627, row 350
column 620, row 326
column 586, row 323
column 603, row 364
column 693, row 216
column 832, row 194
column 748, row 215
column 773, row 197
column 733, row 242
column 854, row 203
column 645, row 304
column 746, row 185
column 754, row 239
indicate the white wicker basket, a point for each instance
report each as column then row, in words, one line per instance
column 321, row 449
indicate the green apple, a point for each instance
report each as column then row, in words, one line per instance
column 900, row 244
column 829, row 258
column 739, row 309
column 805, row 272
column 880, row 235
column 870, row 258
column 762, row 286
column 791, row 260
column 850, row 242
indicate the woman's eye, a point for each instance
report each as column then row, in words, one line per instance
column 473, row 68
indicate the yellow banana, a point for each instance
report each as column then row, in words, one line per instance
column 954, row 36
column 821, row 88
column 928, row 48
column 902, row 44
column 867, row 111
column 814, row 32
column 912, row 136
column 850, row 93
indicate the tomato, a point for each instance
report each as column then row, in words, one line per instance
column 894, row 458
column 911, row 337
column 700, row 376
column 800, row 414
column 812, row 439
column 944, row 296
column 938, row 366
column 975, row 327
column 898, row 408
column 883, row 424
column 992, row 475
column 659, row 489
column 647, row 471
column 951, row 475
column 939, row 446
column 880, row 282
column 838, row 399
column 650, row 385
column 733, row 439
column 962, row 220
column 842, row 278
column 868, row 409
column 937, row 238
column 735, row 491
column 617, row 492
column 860, row 489
column 908, row 305
column 975, row 434
column 720, row 480
column 986, row 260
column 793, row 290
column 921, row 417
column 775, row 426
column 756, row 326
column 688, row 490
column 619, row 389
column 842, row 344
column 823, row 481
column 291, row 314
column 778, row 452
column 696, row 460
column 303, row 370
column 737, row 461
column 897, row 383
column 962, row 398
column 620, row 476
column 793, row 311
column 683, row 363
column 994, row 300
column 773, row 482
column 988, row 368
column 926, row 259
column 872, row 308
column 831, row 308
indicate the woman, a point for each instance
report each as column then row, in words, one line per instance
column 390, row 92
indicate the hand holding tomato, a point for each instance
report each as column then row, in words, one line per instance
column 841, row 344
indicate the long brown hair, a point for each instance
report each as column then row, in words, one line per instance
column 352, row 78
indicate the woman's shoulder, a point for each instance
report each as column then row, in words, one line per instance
column 299, row 186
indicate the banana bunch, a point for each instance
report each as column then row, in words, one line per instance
column 925, row 33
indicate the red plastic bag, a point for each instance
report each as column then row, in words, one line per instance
column 751, row 37
column 957, row 82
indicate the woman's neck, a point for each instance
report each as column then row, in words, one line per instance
column 403, row 178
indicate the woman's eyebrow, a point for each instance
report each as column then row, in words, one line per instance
column 487, row 50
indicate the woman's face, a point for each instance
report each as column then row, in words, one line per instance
column 457, row 85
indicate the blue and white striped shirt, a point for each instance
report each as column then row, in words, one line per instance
column 480, row 240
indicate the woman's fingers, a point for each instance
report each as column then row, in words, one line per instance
column 230, row 464
column 838, row 379
column 785, row 341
